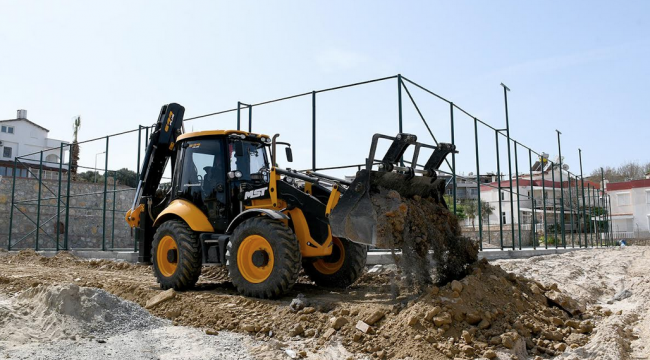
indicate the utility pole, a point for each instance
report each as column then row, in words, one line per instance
column 559, row 148
column 512, row 207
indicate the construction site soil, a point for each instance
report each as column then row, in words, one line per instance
column 488, row 314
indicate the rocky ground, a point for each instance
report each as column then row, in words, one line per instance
column 523, row 313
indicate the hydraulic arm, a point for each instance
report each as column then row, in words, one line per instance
column 159, row 151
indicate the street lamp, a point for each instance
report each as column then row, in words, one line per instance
column 103, row 152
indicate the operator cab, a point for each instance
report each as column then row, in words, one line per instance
column 218, row 166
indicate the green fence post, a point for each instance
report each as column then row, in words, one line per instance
column 559, row 147
column 250, row 118
column 135, row 243
column 584, row 204
column 399, row 100
column 313, row 130
column 38, row 204
column 571, row 212
column 67, row 200
column 532, row 200
column 554, row 201
column 104, row 205
column 496, row 137
column 58, row 200
column 518, row 202
column 478, row 189
column 453, row 155
column 611, row 225
column 238, row 115
column 113, row 217
column 578, row 215
column 544, row 204
column 13, row 198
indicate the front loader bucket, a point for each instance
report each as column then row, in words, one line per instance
column 355, row 216
column 381, row 194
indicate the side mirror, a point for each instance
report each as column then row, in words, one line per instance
column 239, row 148
column 289, row 154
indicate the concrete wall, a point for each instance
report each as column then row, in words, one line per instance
column 85, row 218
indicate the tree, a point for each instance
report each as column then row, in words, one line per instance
column 631, row 170
column 486, row 210
column 74, row 163
column 127, row 177
column 471, row 210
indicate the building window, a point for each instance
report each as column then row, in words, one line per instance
column 6, row 152
column 503, row 195
column 7, row 129
column 504, row 218
column 623, row 199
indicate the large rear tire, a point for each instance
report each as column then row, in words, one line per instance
column 176, row 255
column 340, row 269
column 263, row 258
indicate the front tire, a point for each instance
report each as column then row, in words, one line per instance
column 263, row 258
column 340, row 269
column 176, row 255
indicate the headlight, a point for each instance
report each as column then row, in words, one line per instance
column 238, row 174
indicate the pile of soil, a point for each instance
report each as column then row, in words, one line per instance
column 487, row 313
column 418, row 225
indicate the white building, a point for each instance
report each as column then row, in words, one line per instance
column 543, row 197
column 630, row 208
column 25, row 139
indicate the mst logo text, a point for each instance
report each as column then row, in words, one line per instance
column 255, row 193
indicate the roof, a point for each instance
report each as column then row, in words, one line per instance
column 526, row 182
column 215, row 133
column 29, row 121
column 627, row 185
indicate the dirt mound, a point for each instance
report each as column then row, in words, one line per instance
column 417, row 225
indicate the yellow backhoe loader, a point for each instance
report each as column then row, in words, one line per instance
column 230, row 204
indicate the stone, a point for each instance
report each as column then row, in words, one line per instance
column 572, row 323
column 456, row 286
column 417, row 337
column 434, row 290
column 364, row 328
column 607, row 312
column 553, row 335
column 412, row 320
column 507, row 341
column 310, row 333
column 495, row 340
column 489, row 354
column 432, row 313
column 357, row 337
column 298, row 303
column 484, row 324
column 585, row 328
column 248, row 328
column 296, row 330
column 557, row 321
column 375, row 317
column 309, row 310
column 565, row 302
column 160, row 298
column 467, row 350
column 535, row 289
column 328, row 334
column 467, row 337
column 624, row 294
column 560, row 347
column 473, row 317
column 443, row 319
column 173, row 313
column 337, row 322
column 211, row 332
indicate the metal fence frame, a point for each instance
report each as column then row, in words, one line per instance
column 585, row 238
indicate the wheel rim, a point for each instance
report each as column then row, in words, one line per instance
column 334, row 262
column 166, row 267
column 255, row 259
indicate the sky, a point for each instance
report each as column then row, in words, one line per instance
column 580, row 67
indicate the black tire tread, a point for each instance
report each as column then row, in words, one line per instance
column 189, row 256
column 351, row 270
column 286, row 254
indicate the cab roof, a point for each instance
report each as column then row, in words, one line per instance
column 197, row 134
